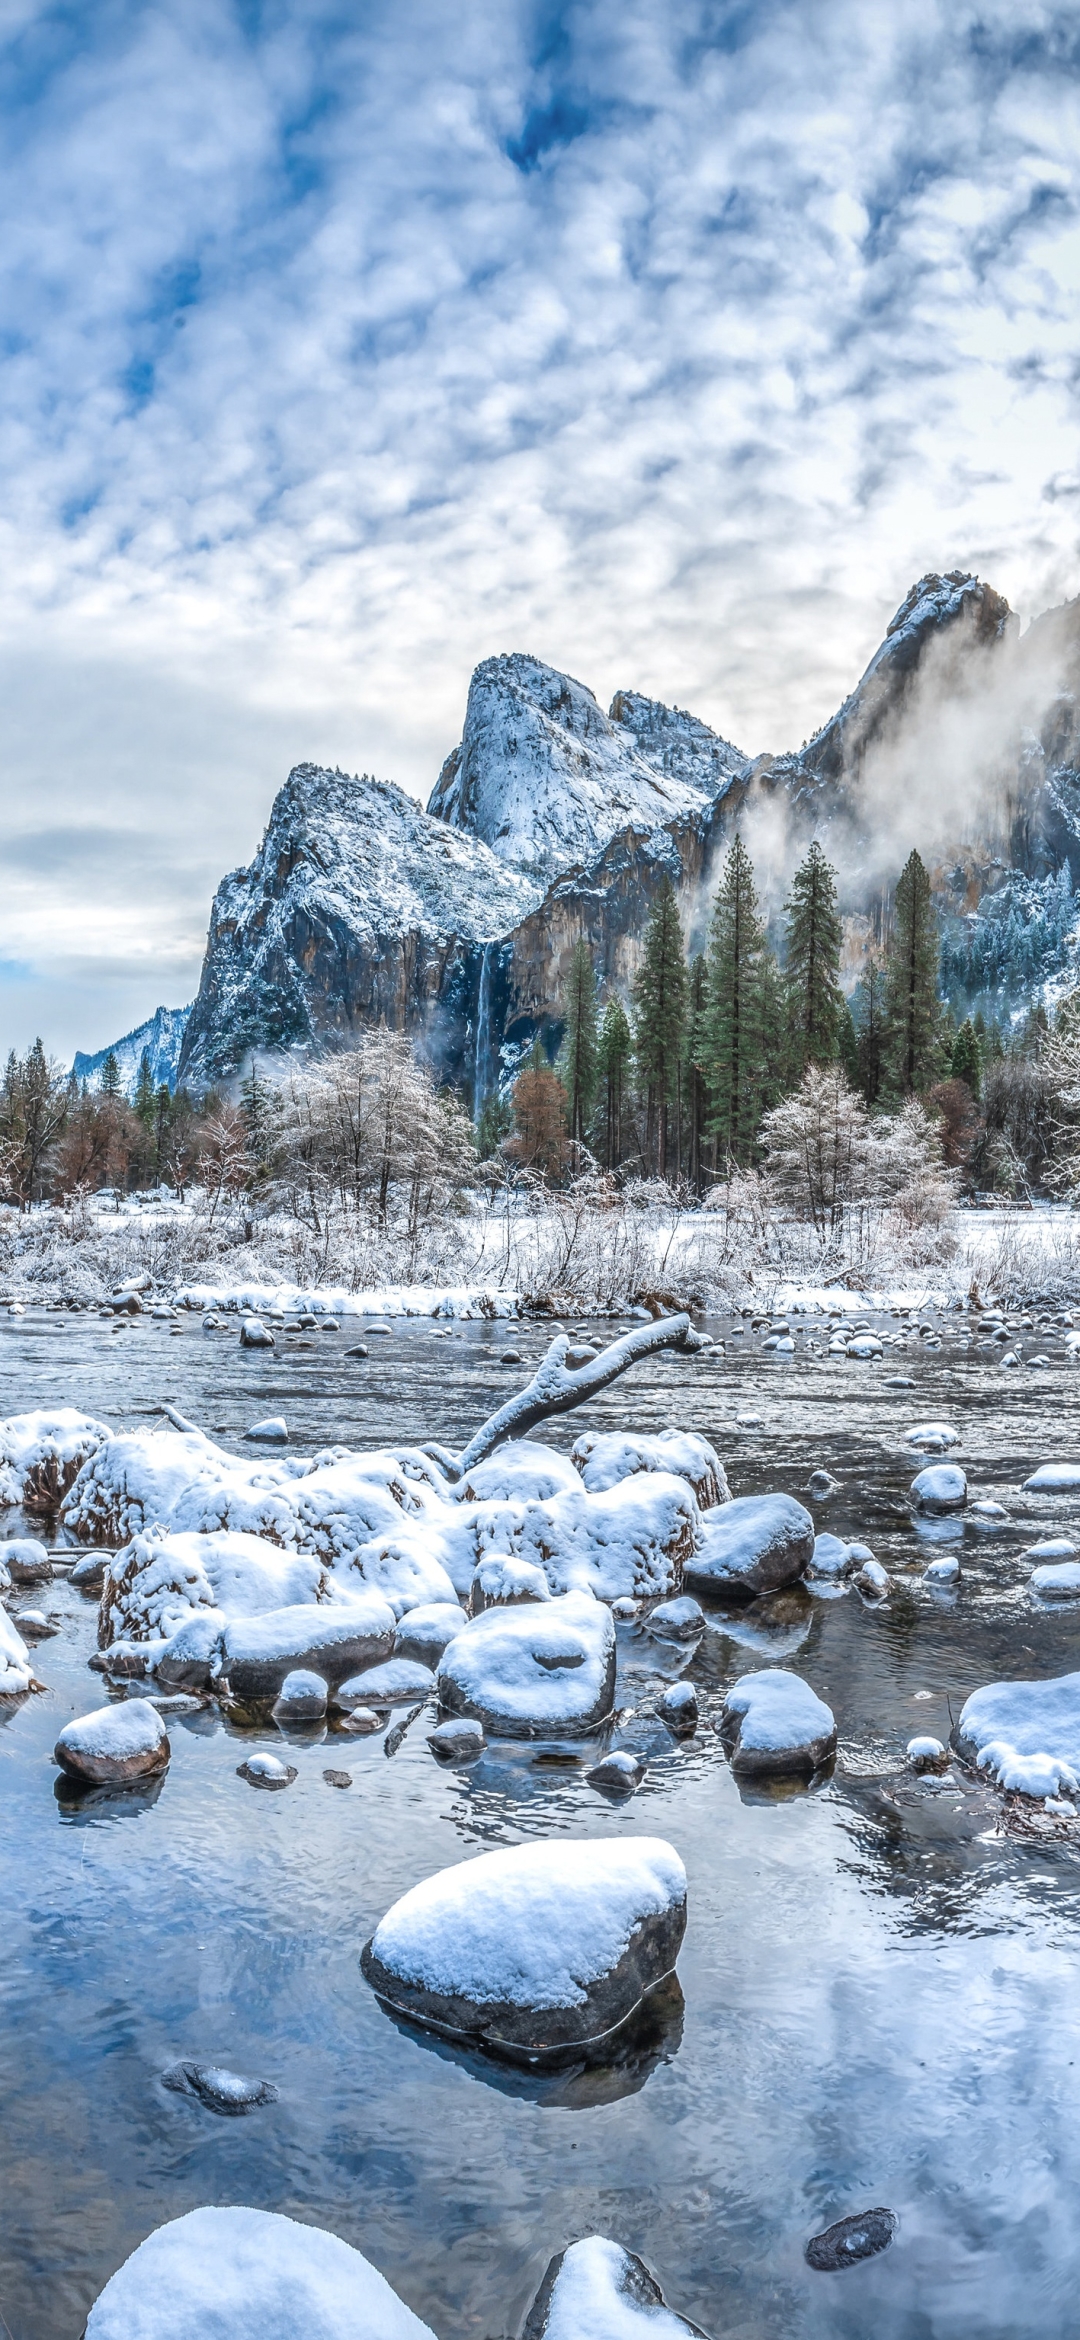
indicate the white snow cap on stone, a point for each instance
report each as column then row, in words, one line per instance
column 523, row 1468
column 1060, row 1478
column 134, row 1727
column 943, row 1487
column 53, row 1441
column 160, row 1581
column 16, row 1673
column 534, row 1666
column 532, row 1926
column 591, row 2299
column 1057, row 1580
column 933, row 1437
column 1027, row 1734
column 243, row 2274
column 604, row 1457
column 779, row 1711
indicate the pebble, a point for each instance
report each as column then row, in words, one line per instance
column 338, row 1779
column 221, row 2090
column 617, row 1774
column 457, row 1742
column 359, row 1351
column 850, row 2240
column 677, row 1707
column 265, row 1771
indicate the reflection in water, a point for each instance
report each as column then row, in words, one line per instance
column 618, row 2067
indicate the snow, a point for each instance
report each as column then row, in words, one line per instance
column 270, row 1767
column 114, row 1732
column 241, row 2274
column 160, row 1038
column 832, row 1558
column 678, row 1620
column 458, row 1302
column 500, row 1579
column 1052, row 1548
column 534, row 1669
column 941, row 1488
column 424, row 1632
column 48, row 1447
column 943, row 1571
column 602, row 2292
column 606, row 1458
column 284, row 1633
column 766, row 1536
column 159, row 1581
column 396, row 1679
column 780, row 1713
column 1058, row 1581
column 933, row 1437
column 16, row 1673
column 925, row 1750
column 533, row 1926
column 1026, row 1733
column 1060, row 1478
column 632, row 1542
column 302, row 1696
column 522, row 1469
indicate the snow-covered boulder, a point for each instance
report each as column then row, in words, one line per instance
column 404, row 1567
column 16, row 1672
column 596, row 2290
column 604, row 1457
column 940, row 1489
column 1060, row 1478
column 932, row 1437
column 541, row 1670
column 679, row 1620
column 258, row 1652
column 27, row 1560
column 830, row 1559
column 42, row 1453
column 751, row 1546
column 631, row 1542
column 1026, row 1734
column 459, row 1741
column 535, row 1951
column 1056, row 1580
column 773, row 1722
column 677, row 1707
column 189, row 1659
column 926, row 1754
column 115, row 1744
column 518, row 1471
column 179, row 1481
column 944, row 1573
column 301, row 1698
column 160, row 1581
column 502, row 1581
column 395, row 1683
column 423, row 1633
column 241, row 2274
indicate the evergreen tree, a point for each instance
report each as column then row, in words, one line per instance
column 145, row 1100
column 695, row 1091
column 660, row 991
column 495, row 1123
column 847, row 1041
column 733, row 1049
column 966, row 1062
column 870, row 1019
column 577, row 1067
column 812, row 964
column 110, row 1076
column 615, row 1048
column 260, row 1108
column 912, row 983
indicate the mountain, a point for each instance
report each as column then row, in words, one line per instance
column 161, row 1037
column 552, row 820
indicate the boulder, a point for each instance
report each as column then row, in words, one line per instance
column 258, row 1652
column 1056, row 1580
column 397, row 1682
column 679, row 1620
column 940, row 1489
column 501, row 1581
column 606, row 1457
column 751, row 1546
column 243, row 2274
column 619, row 1773
column 424, row 1632
column 254, row 1335
column 26, row 1561
column 1053, row 1478
column 189, row 1657
column 457, row 1742
column 677, row 1708
column 1025, row 1734
column 774, row 1723
column 830, row 1559
column 544, row 1669
column 301, row 1698
column 596, row 2290
column 16, row 1673
column 536, row 1952
column 115, row 1744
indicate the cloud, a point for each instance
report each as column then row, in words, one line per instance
column 670, row 341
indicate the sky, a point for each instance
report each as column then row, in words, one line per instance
column 342, row 346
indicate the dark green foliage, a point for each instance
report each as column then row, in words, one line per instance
column 577, row 1066
column 814, row 937
column 848, row 1047
column 495, row 1123
column 260, row 1108
column 145, row 1101
column 35, row 1100
column 869, row 1017
column 966, row 1062
column 912, row 984
column 733, row 1051
column 110, row 1076
column 660, row 994
column 615, row 1048
column 695, row 1089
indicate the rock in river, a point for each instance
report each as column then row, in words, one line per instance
column 242, row 2274
column 596, row 2290
column 537, row 1951
column 457, row 1742
column 115, row 1744
column 266, row 1771
column 940, row 1489
column 26, row 1561
column 301, row 1698
column 223, row 2091
column 258, row 1652
column 545, row 1669
column 850, row 2240
column 751, row 1546
column 774, row 1723
column 618, row 1774
column 677, row 1708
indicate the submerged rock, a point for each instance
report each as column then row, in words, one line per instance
column 457, row 1742
column 774, row 1723
column 542, row 1670
column 751, row 1546
column 243, row 2274
column 850, row 2240
column 115, row 1744
column 537, row 1951
column 221, row 2090
column 596, row 2290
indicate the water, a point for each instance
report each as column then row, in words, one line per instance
column 878, row 1980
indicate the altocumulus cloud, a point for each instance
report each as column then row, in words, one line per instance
column 339, row 348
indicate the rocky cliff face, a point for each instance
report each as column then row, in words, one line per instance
column 552, row 820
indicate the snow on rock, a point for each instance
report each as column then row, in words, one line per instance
column 16, row 1673
column 677, row 1707
column 457, row 1742
column 42, row 1453
column 596, row 2290
column 605, row 1457
column 830, row 1559
column 258, row 1652
column 501, row 1581
column 632, row 1542
column 925, row 1753
column 223, row 2091
column 273, row 1432
column 266, row 1771
column 932, row 1437
column 619, row 1773
column 27, row 1560
column 945, row 1571
column 538, row 1670
column 242, row 2274
column 424, row 1632
column 178, row 1480
column 391, row 1684
column 301, row 1698
column 873, row 1580
column 1060, row 1478
column 773, row 1722
column 522, row 1470
column 116, row 1743
column 939, row 1489
column 1026, row 1734
column 678, row 1620
column 158, row 1582
column 189, row 1659
column 1057, row 1580
column 535, row 1951
column 750, row 1546
column 462, row 1302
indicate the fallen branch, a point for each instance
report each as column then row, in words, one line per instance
column 556, row 1388
column 180, row 1421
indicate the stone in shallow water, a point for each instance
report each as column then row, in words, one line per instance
column 273, row 1432
column 392, row 1684
column 34, row 1625
column 362, row 1722
column 850, row 2240
column 243, row 2274
column 678, row 1620
column 338, row 1779
column 26, row 1561
column 774, row 1723
column 115, row 1744
column 359, row 1350
column 677, row 1708
column 266, row 1771
column 596, row 2290
column 424, row 1632
column 223, row 2091
column 617, row 1774
column 751, row 1546
column 544, row 1669
column 534, row 1952
column 821, row 1484
column 926, row 1754
column 1025, row 1734
column 301, row 1698
column 1053, row 1479
column 258, row 1652
column 457, row 1742
column 831, row 1558
column 940, row 1489
column 945, row 1571
column 254, row 1335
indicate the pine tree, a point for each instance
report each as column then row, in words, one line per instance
column 966, row 1062
column 615, row 1048
column 847, row 1040
column 495, row 1123
column 577, row 1067
column 660, row 989
column 695, row 1090
column 912, row 983
column 733, row 1049
column 145, row 1100
column 260, row 1107
column 814, row 937
column 110, row 1076
column 870, row 1006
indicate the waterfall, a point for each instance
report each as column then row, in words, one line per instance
column 482, row 1067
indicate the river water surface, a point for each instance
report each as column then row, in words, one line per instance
column 879, row 1984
